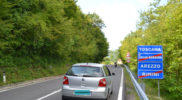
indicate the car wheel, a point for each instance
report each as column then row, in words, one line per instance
column 108, row 95
column 107, row 98
column 63, row 98
column 111, row 92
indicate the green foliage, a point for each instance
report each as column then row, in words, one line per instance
column 160, row 25
column 39, row 33
column 114, row 55
column 20, row 74
column 112, row 58
column 107, row 61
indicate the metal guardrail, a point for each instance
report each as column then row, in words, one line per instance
column 139, row 90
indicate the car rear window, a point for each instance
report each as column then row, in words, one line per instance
column 85, row 71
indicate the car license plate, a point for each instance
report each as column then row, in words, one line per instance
column 82, row 92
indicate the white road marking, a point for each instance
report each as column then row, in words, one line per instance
column 3, row 91
column 120, row 94
column 41, row 98
column 27, row 84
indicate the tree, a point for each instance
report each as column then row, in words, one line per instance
column 160, row 25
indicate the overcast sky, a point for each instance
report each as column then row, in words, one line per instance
column 119, row 16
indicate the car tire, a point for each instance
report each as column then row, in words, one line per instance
column 108, row 95
column 111, row 92
column 63, row 98
column 107, row 98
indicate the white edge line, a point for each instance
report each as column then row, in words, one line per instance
column 41, row 98
column 28, row 84
column 121, row 87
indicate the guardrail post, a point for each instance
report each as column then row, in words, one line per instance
column 4, row 77
column 50, row 66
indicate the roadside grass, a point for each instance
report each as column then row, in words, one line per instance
column 150, row 88
column 131, row 93
column 20, row 74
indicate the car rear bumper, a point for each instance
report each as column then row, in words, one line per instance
column 99, row 93
column 81, row 98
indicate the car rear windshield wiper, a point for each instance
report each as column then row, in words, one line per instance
column 88, row 76
column 71, row 74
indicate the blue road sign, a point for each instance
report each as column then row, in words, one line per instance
column 150, row 57
column 150, row 49
column 150, row 66
column 150, row 62
column 150, row 74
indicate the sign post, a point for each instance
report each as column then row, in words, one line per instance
column 150, row 62
column 158, row 89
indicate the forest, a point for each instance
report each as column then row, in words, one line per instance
column 161, row 24
column 36, row 35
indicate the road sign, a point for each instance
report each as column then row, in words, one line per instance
column 150, row 49
column 150, row 74
column 150, row 62
column 128, row 54
column 150, row 66
column 128, row 57
column 150, row 57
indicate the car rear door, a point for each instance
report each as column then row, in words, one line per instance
column 108, row 77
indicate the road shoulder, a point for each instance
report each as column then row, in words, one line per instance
column 27, row 83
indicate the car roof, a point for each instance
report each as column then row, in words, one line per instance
column 89, row 64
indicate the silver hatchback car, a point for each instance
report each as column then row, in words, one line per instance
column 87, row 81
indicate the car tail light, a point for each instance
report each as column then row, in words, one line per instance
column 102, row 83
column 65, row 81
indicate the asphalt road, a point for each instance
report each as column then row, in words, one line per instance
column 51, row 89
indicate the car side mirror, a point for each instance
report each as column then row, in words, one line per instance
column 113, row 74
